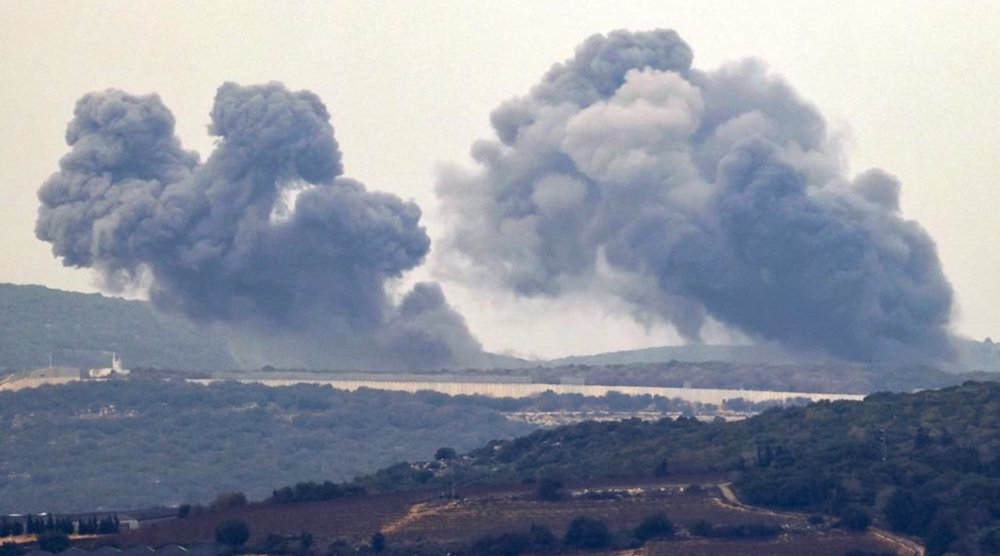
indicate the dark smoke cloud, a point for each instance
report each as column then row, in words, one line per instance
column 265, row 237
column 695, row 195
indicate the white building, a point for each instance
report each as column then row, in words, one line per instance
column 115, row 369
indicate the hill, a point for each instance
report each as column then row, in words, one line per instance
column 690, row 353
column 129, row 444
column 81, row 330
column 925, row 464
column 971, row 355
column 133, row 443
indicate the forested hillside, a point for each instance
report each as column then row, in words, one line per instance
column 132, row 443
column 135, row 443
column 925, row 464
column 81, row 330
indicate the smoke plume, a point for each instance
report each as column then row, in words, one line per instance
column 695, row 195
column 265, row 238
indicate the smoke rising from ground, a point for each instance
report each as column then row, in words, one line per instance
column 695, row 195
column 265, row 238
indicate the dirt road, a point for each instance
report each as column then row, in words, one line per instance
column 902, row 545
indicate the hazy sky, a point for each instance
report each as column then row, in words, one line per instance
column 915, row 86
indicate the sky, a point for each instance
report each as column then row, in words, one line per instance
column 912, row 86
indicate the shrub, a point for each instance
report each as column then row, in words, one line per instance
column 53, row 541
column 587, row 532
column 549, row 490
column 306, row 541
column 445, row 454
column 507, row 544
column 275, row 544
column 701, row 528
column 694, row 490
column 816, row 519
column 541, row 536
column 232, row 532
column 538, row 538
column 312, row 492
column 746, row 531
column 990, row 541
column 907, row 513
column 226, row 500
column 855, row 518
column 378, row 542
column 940, row 535
column 340, row 547
column 656, row 526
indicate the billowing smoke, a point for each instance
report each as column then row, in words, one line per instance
column 265, row 238
column 695, row 195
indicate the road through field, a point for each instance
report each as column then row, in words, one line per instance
column 903, row 545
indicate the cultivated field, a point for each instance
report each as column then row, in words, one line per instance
column 429, row 517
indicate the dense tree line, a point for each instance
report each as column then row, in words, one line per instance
column 11, row 528
column 312, row 492
column 104, row 526
column 37, row 525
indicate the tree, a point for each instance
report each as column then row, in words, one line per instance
column 701, row 528
column 922, row 439
column 549, row 490
column 53, row 541
column 306, row 541
column 655, row 526
column 232, row 532
column 378, row 542
column 855, row 518
column 108, row 525
column 990, row 541
column 587, row 532
column 940, row 535
column 445, row 454
column 541, row 536
column 226, row 500
column 900, row 511
column 507, row 544
column 662, row 468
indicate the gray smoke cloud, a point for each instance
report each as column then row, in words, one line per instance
column 265, row 238
column 695, row 195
